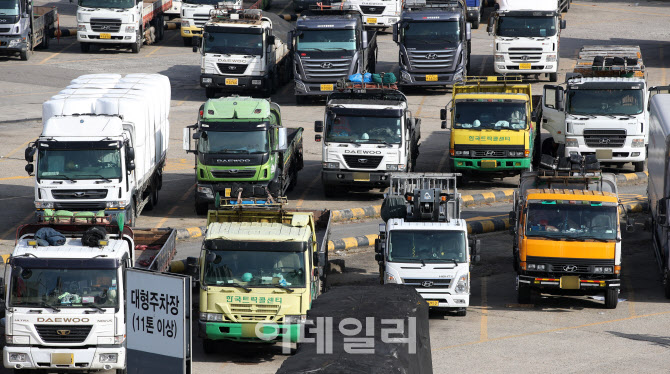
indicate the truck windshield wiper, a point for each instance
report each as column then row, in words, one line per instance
column 234, row 151
column 312, row 49
column 581, row 114
column 593, row 238
column 247, row 289
column 94, row 306
column 552, row 237
column 379, row 141
column 289, row 290
column 47, row 305
column 97, row 175
column 60, row 175
column 337, row 49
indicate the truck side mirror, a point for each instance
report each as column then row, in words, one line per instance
column 318, row 126
column 364, row 39
column 130, row 153
column 559, row 99
column 29, row 153
column 489, row 27
column 630, row 225
column 512, row 218
column 378, row 246
column 379, row 257
column 563, row 24
column 282, row 141
column 443, row 114
column 186, row 139
column 662, row 211
column 271, row 39
column 316, row 259
column 395, row 32
column 468, row 31
column 30, row 168
column 196, row 42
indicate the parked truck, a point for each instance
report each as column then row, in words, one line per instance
column 602, row 109
column 491, row 131
column 243, row 50
column 127, row 23
column 242, row 149
column 424, row 241
column 261, row 267
column 378, row 14
column 23, row 27
column 329, row 45
column 527, row 37
column 567, row 237
column 65, row 302
column 369, row 132
column 174, row 11
column 103, row 145
column 434, row 43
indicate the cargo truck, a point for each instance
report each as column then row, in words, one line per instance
column 242, row 149
column 261, row 267
column 103, row 145
column 378, row 14
column 23, row 27
column 424, row 241
column 65, row 307
column 567, row 236
column 491, row 129
column 602, row 109
column 243, row 50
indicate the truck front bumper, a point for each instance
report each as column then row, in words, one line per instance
column 501, row 165
column 189, row 31
column 622, row 154
column 541, row 67
column 112, row 213
column 206, row 192
column 234, row 82
column 444, row 300
column 379, row 21
column 366, row 179
column 557, row 284
column 10, row 44
column 249, row 332
column 312, row 89
column 114, row 37
column 83, row 359
column 408, row 78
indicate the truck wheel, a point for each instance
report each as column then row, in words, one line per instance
column 461, row 312
column 553, row 77
column 45, row 39
column 548, row 147
column 121, row 371
column 85, row 47
column 329, row 191
column 639, row 166
column 210, row 92
column 135, row 47
column 209, row 346
column 611, row 298
column 188, row 42
column 475, row 24
column 201, row 208
column 523, row 294
column 300, row 100
column 25, row 55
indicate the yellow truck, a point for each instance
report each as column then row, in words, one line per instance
column 567, row 239
column 261, row 266
column 491, row 128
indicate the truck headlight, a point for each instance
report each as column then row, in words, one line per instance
column 211, row 317
column 598, row 269
column 499, row 58
column 18, row 357
column 185, row 23
column 43, row 205
column 109, row 357
column 541, row 267
column 462, row 285
column 405, row 76
column 395, row 167
column 331, row 165
column 294, row 320
column 130, row 28
column 115, row 204
column 607, row 270
column 551, row 58
column 207, row 80
column 205, row 191
column 461, row 153
column 119, row 339
column 637, row 143
column 81, row 27
column 256, row 82
column 14, row 43
column 530, row 267
column 571, row 142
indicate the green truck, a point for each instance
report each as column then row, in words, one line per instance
column 242, row 150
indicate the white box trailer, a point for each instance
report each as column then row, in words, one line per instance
column 103, row 145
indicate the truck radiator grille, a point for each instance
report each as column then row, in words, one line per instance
column 63, row 333
column 105, row 25
column 490, row 153
column 233, row 173
column 200, row 19
column 80, row 206
column 521, row 55
column 4, row 29
column 438, row 59
column 363, row 162
column 605, row 138
column 232, row 68
column 327, row 70
column 372, row 9
column 427, row 283
column 569, row 266
column 254, row 312
column 79, row 194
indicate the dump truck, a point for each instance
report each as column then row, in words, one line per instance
column 567, row 237
column 242, row 149
column 261, row 267
column 423, row 242
column 602, row 109
column 65, row 297
column 24, row 27
column 491, row 129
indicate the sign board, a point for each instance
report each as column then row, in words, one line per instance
column 158, row 322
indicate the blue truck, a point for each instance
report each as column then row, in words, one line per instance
column 474, row 12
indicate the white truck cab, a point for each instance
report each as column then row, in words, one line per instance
column 378, row 13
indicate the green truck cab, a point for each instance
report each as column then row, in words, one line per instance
column 261, row 266
column 242, row 150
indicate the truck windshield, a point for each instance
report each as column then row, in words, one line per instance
column 480, row 115
column 624, row 102
column 34, row 287
column 256, row 269
column 9, row 7
column 358, row 129
column 517, row 26
column 79, row 164
column 429, row 245
column 233, row 43
column 325, row 40
column 233, row 142
column 572, row 221
column 107, row 3
column 417, row 33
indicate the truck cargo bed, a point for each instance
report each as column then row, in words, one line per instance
column 154, row 248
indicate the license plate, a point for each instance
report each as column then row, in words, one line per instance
column 62, row 359
column 227, row 192
column 489, row 164
column 570, row 282
column 231, row 81
column 361, row 177
column 372, row 20
column 604, row 154
column 524, row 66
column 433, row 302
column 431, row 78
column 105, row 35
column 326, row 87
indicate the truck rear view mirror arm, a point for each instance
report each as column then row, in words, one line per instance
column 563, row 24
column 318, row 126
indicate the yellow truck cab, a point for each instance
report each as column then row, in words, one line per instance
column 261, row 266
column 491, row 128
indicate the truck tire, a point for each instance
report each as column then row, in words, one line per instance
column 300, row 100
column 121, row 371
column 85, row 47
column 548, row 147
column 475, row 24
column 25, row 55
column 393, row 207
column 209, row 346
column 611, row 298
column 329, row 191
column 639, row 166
column 135, row 47
column 210, row 92
column 461, row 312
column 523, row 294
column 188, row 42
column 553, row 77
column 45, row 39
column 201, row 208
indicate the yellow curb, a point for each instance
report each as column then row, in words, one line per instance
column 488, row 226
column 195, row 232
column 489, row 195
column 357, row 213
column 350, row 243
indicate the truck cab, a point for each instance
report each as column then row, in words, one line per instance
column 378, row 14
column 196, row 13
column 24, row 26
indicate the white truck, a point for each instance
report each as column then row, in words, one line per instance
column 369, row 133
column 65, row 307
column 424, row 241
column 195, row 13
column 243, row 50
column 24, row 27
column 120, row 22
column 174, row 11
column 602, row 109
column 527, row 37
column 378, row 13
column 103, row 145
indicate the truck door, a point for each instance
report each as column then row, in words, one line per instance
column 553, row 116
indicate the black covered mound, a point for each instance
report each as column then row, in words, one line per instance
column 380, row 302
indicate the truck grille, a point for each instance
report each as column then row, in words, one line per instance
column 490, row 153
column 569, row 265
column 79, row 194
column 521, row 55
column 439, row 59
column 363, row 162
column 232, row 68
column 233, row 173
column 63, row 333
column 372, row 9
column 4, row 29
column 605, row 138
column 427, row 283
column 80, row 206
column 327, row 70
column 200, row 19
column 254, row 312
column 105, row 25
